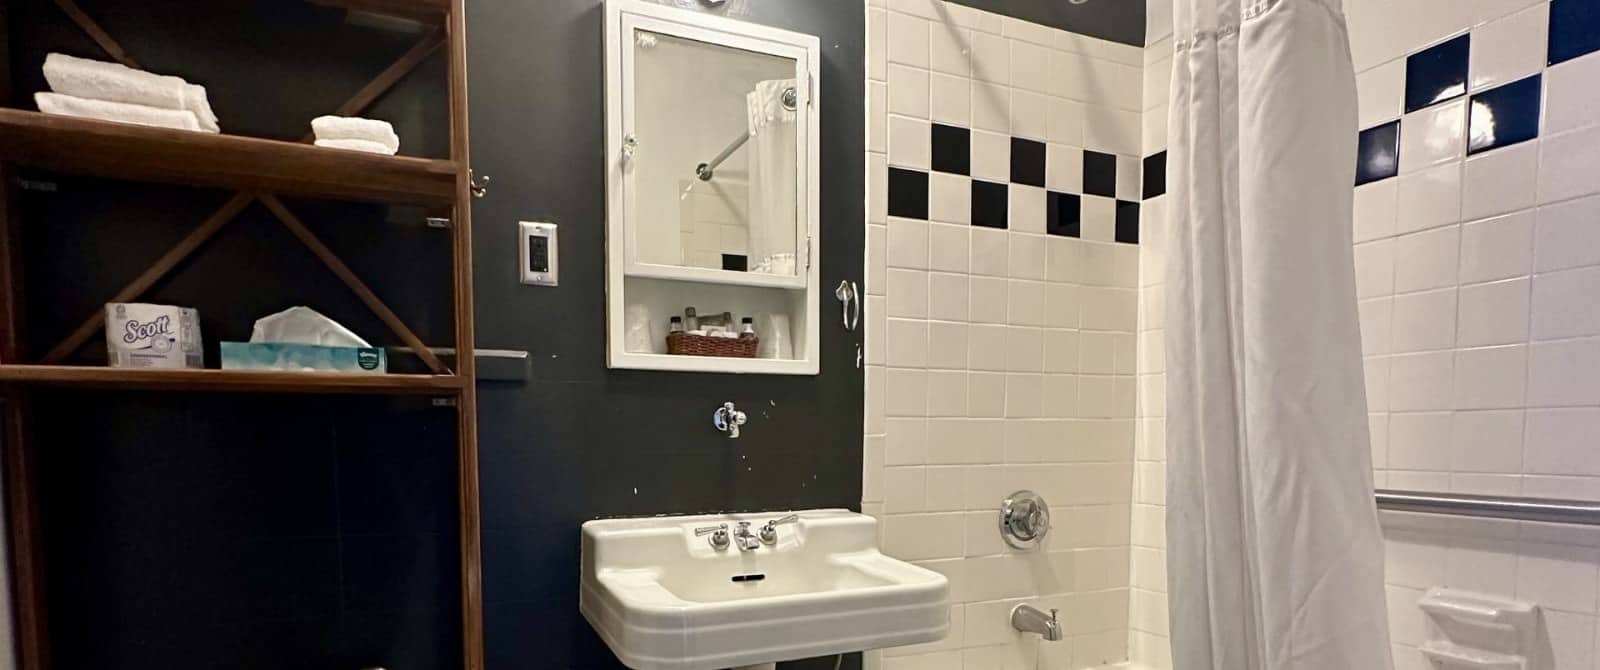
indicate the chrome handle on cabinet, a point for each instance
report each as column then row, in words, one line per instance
column 849, row 303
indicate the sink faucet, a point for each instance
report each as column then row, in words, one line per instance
column 746, row 540
column 769, row 532
column 1029, row 619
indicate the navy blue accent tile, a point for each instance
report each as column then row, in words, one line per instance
column 1574, row 29
column 908, row 194
column 1063, row 215
column 1378, row 153
column 1155, row 175
column 1504, row 115
column 989, row 204
column 952, row 149
column 736, row 262
column 1099, row 174
column 1437, row 74
column 1127, row 222
column 1027, row 162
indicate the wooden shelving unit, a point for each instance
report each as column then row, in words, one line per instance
column 124, row 151
column 259, row 170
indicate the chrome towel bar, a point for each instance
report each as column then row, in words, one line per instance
column 1516, row 508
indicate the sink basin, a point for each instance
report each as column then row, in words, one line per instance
column 664, row 598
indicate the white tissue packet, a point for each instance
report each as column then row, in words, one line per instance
column 303, row 325
column 141, row 335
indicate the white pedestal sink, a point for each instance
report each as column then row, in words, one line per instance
column 664, row 598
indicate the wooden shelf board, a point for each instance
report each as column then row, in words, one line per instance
column 126, row 151
column 228, row 380
column 427, row 11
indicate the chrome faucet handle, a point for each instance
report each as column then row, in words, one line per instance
column 769, row 532
column 719, row 535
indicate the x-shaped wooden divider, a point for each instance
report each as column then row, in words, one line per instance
column 231, row 209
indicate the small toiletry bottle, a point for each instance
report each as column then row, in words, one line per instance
column 675, row 325
column 691, row 321
column 747, row 328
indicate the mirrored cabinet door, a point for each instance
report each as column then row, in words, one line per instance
column 712, row 186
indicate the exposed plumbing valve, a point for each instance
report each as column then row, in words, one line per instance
column 728, row 419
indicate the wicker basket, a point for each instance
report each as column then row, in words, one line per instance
column 684, row 344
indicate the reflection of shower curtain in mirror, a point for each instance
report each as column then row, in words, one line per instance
column 772, row 179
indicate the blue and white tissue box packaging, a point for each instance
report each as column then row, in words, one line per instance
column 141, row 335
column 290, row 357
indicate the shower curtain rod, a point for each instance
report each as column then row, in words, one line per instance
column 1516, row 508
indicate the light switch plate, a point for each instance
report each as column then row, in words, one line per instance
column 538, row 253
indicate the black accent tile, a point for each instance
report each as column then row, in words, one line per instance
column 1027, row 162
column 1155, row 175
column 1437, row 74
column 1099, row 174
column 1127, row 222
column 989, row 204
column 1504, row 115
column 1064, row 215
column 908, row 194
column 736, row 262
column 952, row 149
column 1574, row 29
column 1378, row 153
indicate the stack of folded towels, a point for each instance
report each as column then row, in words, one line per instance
column 355, row 134
column 115, row 92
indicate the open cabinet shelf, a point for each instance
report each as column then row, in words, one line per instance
column 227, row 380
column 259, row 171
column 141, row 153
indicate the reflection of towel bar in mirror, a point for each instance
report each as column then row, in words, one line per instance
column 705, row 171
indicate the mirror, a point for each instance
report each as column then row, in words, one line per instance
column 715, row 171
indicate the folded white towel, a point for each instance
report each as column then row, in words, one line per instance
column 114, row 82
column 368, row 146
column 356, row 128
column 144, row 115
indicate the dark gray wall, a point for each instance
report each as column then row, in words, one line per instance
column 1117, row 20
column 580, row 441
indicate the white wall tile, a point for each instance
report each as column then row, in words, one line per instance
column 1568, row 235
column 948, row 247
column 908, row 243
column 1500, row 181
column 1561, row 441
column 1419, row 441
column 1420, row 382
column 1497, row 248
column 1028, row 69
column 1375, row 210
column 1493, row 313
column 1381, row 93
column 1027, row 251
column 990, row 252
column 1030, row 115
column 1509, row 48
column 908, row 40
column 1427, row 260
column 947, row 296
column 1569, row 165
column 1375, row 268
column 1564, row 373
column 991, row 156
column 949, row 198
column 1424, row 321
column 947, row 345
column 989, row 299
column 950, row 50
column 1429, row 198
column 1066, row 122
column 1064, row 168
column 1112, row 130
column 1433, row 135
column 1564, row 304
column 991, row 107
column 950, row 100
column 908, row 91
column 877, row 44
column 1490, row 377
column 1571, row 100
column 910, row 143
column 1487, row 441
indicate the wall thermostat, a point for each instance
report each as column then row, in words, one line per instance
column 538, row 253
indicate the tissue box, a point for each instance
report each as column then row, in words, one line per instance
column 140, row 335
column 303, row 358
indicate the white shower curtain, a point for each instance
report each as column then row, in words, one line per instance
column 1274, row 551
column 772, row 178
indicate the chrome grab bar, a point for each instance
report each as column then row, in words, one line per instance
column 1516, row 508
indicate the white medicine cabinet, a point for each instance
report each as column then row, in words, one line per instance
column 711, row 192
